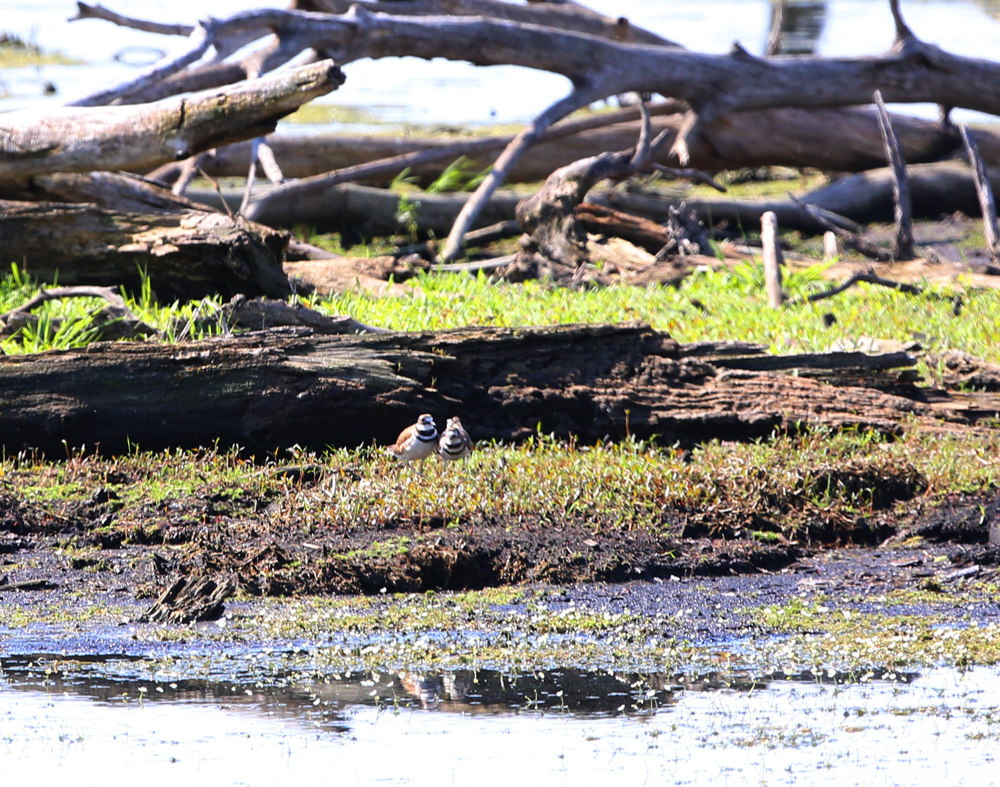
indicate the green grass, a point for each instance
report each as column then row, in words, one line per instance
column 708, row 306
column 18, row 53
column 822, row 482
column 76, row 329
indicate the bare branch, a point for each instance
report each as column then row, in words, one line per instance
column 144, row 136
column 985, row 193
column 848, row 238
column 902, row 244
column 693, row 175
column 559, row 110
column 86, row 11
column 867, row 277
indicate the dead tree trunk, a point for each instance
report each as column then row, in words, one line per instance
column 186, row 255
column 842, row 140
column 274, row 389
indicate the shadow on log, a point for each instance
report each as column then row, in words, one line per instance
column 186, row 255
column 274, row 389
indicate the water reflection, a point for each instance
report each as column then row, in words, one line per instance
column 320, row 700
column 113, row 720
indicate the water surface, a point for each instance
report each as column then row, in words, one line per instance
column 98, row 721
column 411, row 91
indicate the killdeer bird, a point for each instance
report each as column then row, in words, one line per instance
column 416, row 442
column 455, row 442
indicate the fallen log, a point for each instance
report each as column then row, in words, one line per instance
column 936, row 189
column 275, row 389
column 185, row 255
column 141, row 137
column 840, row 140
column 114, row 191
column 360, row 212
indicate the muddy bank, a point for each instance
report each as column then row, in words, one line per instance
column 102, row 545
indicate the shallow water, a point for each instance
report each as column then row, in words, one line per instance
column 397, row 91
column 102, row 723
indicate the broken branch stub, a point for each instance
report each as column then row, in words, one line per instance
column 902, row 243
column 984, row 191
column 772, row 259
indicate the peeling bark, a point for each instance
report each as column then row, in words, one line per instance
column 274, row 389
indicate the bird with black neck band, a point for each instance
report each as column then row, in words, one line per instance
column 416, row 442
column 455, row 442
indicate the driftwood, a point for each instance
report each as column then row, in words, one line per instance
column 841, row 140
column 712, row 86
column 936, row 190
column 274, row 389
column 738, row 215
column 185, row 255
column 114, row 191
column 555, row 242
column 139, row 138
column 216, row 73
column 984, row 191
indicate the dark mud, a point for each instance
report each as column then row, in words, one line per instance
column 82, row 549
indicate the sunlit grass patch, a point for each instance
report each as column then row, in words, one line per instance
column 16, row 52
column 709, row 305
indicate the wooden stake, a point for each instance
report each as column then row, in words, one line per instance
column 831, row 247
column 772, row 259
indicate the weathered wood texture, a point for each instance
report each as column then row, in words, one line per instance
column 141, row 137
column 843, row 140
column 936, row 189
column 562, row 16
column 186, row 255
column 117, row 191
column 275, row 389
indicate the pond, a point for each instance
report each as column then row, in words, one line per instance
column 112, row 720
column 394, row 93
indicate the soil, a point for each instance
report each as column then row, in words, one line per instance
column 81, row 551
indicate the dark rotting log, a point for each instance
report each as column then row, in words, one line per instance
column 185, row 255
column 274, row 389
